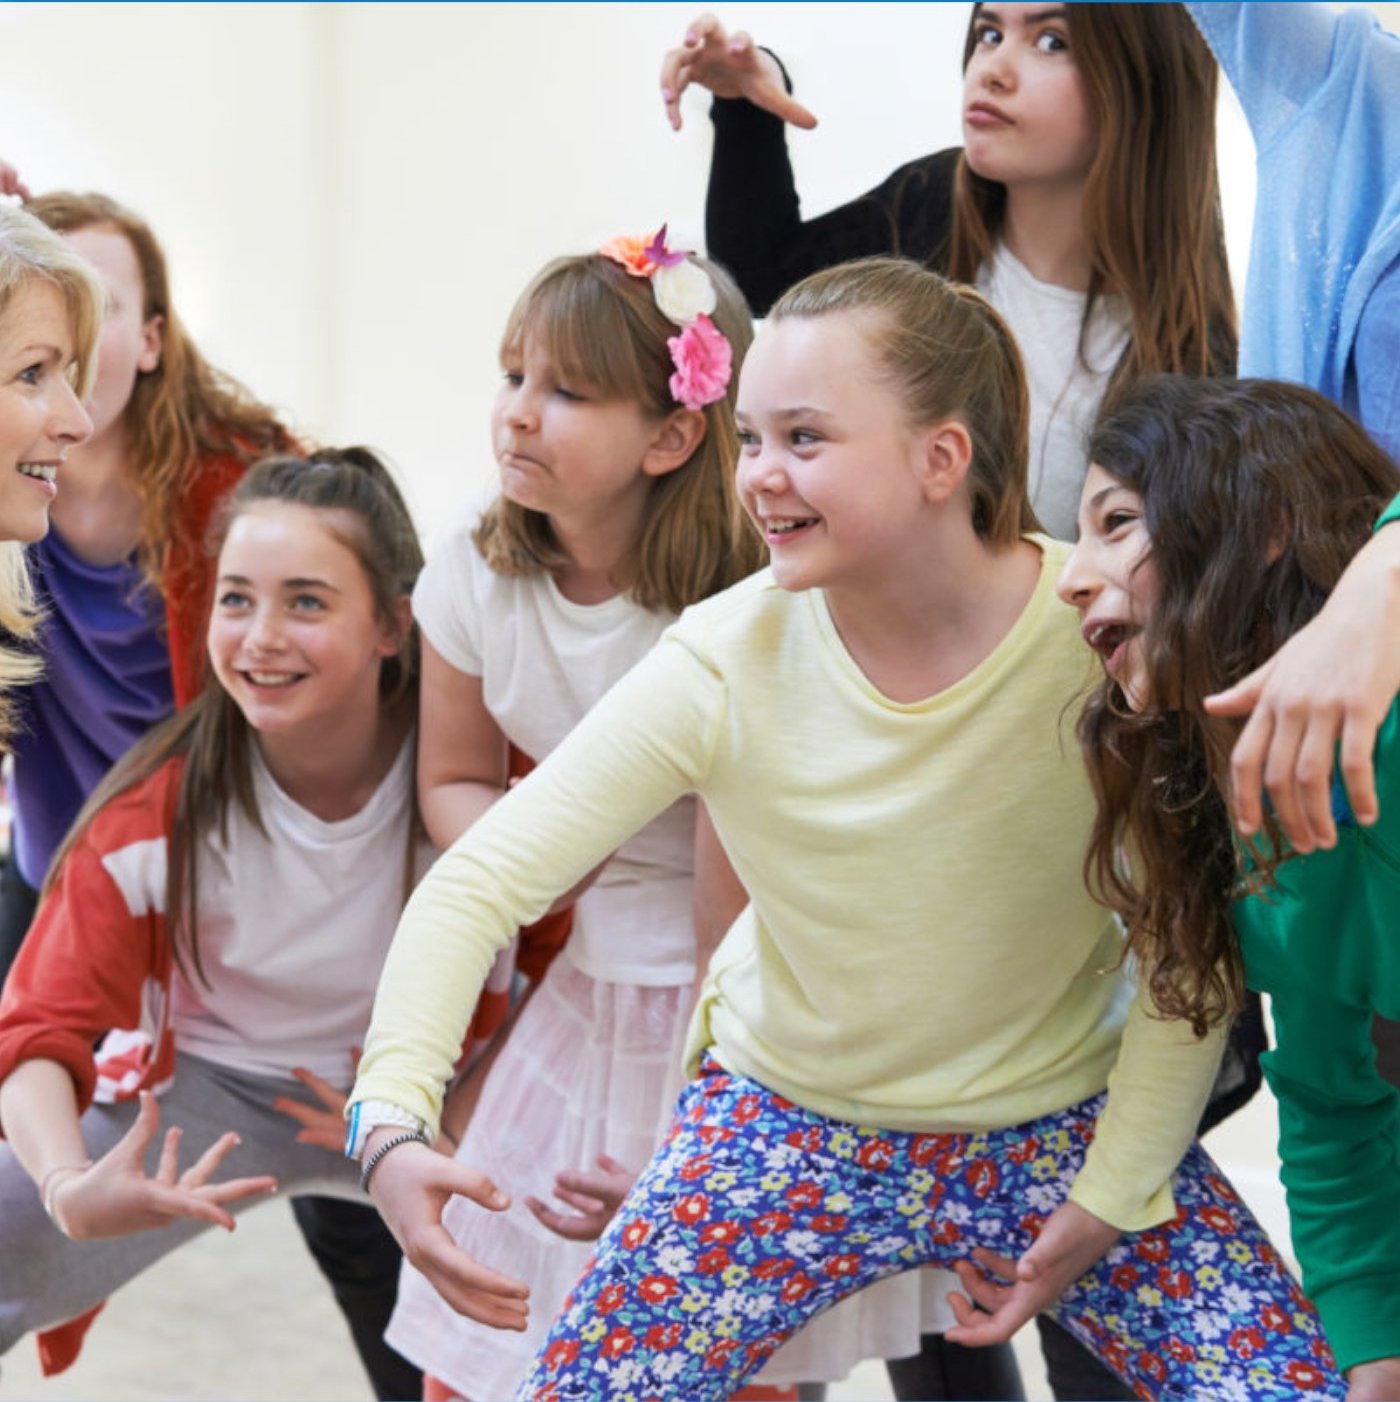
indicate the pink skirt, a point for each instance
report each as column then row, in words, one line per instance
column 586, row 1071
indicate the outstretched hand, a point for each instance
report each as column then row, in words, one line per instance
column 1332, row 681
column 595, row 1198
column 322, row 1124
column 116, row 1197
column 729, row 65
column 411, row 1187
column 1002, row 1294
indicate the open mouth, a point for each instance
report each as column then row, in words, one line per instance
column 1109, row 640
column 40, row 471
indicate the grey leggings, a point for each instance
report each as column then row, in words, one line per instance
column 45, row 1279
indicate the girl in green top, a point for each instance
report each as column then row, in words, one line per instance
column 1215, row 520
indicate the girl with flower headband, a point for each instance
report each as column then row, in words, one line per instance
column 879, row 727
column 614, row 435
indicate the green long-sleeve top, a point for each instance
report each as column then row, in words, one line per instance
column 1324, row 943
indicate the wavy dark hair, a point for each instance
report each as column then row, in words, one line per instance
column 1255, row 496
column 365, row 511
column 1152, row 198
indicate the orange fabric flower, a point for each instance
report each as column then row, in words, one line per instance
column 630, row 250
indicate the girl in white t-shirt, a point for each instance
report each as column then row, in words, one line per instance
column 614, row 434
column 225, row 899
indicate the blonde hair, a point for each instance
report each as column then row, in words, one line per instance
column 600, row 326
column 949, row 355
column 182, row 412
column 30, row 252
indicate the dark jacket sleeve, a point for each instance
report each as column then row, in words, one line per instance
column 754, row 225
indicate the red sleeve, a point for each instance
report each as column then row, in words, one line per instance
column 88, row 957
column 189, row 573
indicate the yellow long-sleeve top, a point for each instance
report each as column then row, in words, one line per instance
column 919, row 952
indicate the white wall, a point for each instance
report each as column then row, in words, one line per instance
column 352, row 195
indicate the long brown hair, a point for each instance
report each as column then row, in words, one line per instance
column 949, row 355
column 601, row 326
column 365, row 511
column 1152, row 197
column 184, row 410
column 1255, row 496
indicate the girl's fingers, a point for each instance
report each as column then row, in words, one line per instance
column 232, row 1189
column 983, row 1292
column 326, row 1093
column 569, row 1227
column 1247, row 772
column 168, row 1167
column 1358, row 766
column 198, row 1172
column 469, row 1287
column 580, row 1202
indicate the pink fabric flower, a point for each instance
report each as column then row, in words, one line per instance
column 704, row 363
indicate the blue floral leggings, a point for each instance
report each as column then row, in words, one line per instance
column 755, row 1215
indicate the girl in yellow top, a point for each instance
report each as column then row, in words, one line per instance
column 915, row 1045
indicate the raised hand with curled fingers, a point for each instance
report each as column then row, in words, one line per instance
column 729, row 65
column 595, row 1196
column 115, row 1196
column 410, row 1187
column 10, row 183
column 1002, row 1294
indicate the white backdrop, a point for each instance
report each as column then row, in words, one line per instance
column 351, row 195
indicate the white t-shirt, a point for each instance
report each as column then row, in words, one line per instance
column 544, row 662
column 1065, row 394
column 297, row 924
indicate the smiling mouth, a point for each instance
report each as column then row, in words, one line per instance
column 40, row 471
column 780, row 526
column 273, row 679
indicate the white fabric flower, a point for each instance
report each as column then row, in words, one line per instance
column 683, row 292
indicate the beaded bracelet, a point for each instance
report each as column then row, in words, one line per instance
column 48, row 1187
column 409, row 1136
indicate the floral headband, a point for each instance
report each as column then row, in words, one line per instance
column 684, row 294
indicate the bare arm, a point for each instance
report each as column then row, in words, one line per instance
column 462, row 760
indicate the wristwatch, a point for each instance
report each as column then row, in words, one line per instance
column 366, row 1116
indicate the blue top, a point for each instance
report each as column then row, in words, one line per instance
column 106, row 682
column 1321, row 91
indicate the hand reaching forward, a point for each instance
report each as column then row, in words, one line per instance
column 1003, row 1294
column 1332, row 682
column 595, row 1198
column 410, row 1187
column 115, row 1197
column 730, row 66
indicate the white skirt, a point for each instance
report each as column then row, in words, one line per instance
column 586, row 1071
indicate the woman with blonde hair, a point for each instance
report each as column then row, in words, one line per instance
column 50, row 309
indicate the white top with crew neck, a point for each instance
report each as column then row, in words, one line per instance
column 544, row 663
column 294, row 924
column 1065, row 390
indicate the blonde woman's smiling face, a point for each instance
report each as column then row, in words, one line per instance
column 40, row 416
